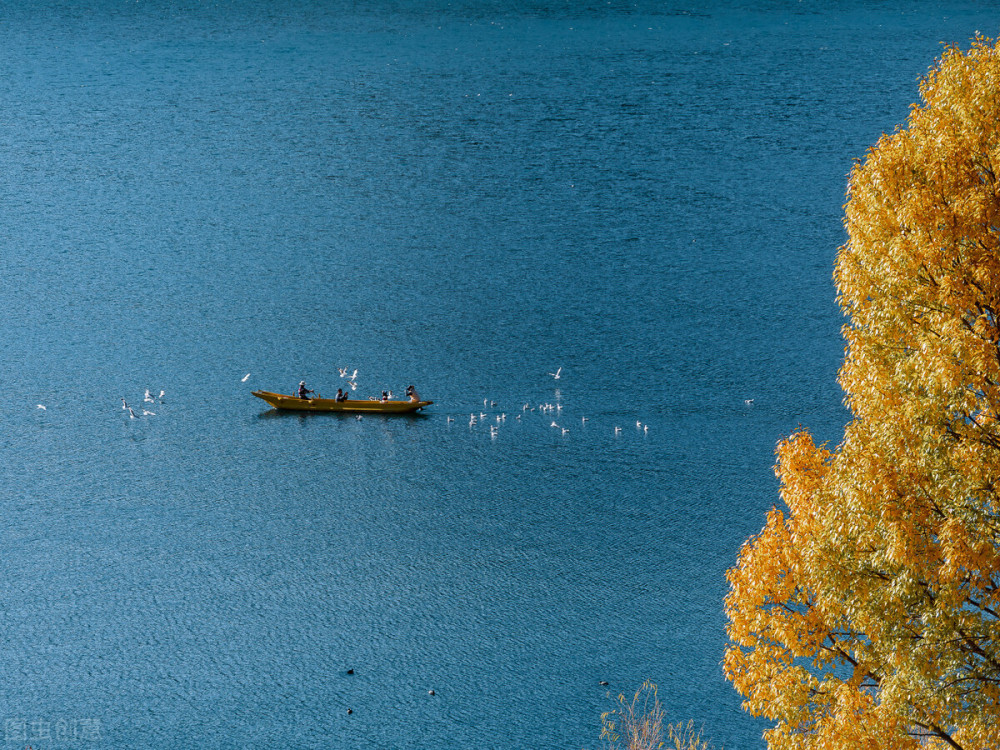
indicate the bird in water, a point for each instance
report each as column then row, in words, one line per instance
column 146, row 413
column 148, row 397
column 124, row 405
column 41, row 407
column 556, row 374
column 132, row 414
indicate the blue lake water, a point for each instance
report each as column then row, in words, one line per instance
column 461, row 195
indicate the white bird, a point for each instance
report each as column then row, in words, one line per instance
column 618, row 430
column 748, row 401
column 556, row 373
column 164, row 393
column 245, row 378
column 148, row 413
column 124, row 405
column 41, row 407
column 638, row 425
column 565, row 430
column 645, row 428
column 451, row 419
column 553, row 424
column 583, row 419
column 354, row 386
column 354, row 375
column 132, row 414
column 148, row 397
column 358, row 417
column 342, row 371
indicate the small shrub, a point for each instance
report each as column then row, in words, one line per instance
column 638, row 725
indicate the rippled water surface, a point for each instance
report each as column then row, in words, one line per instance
column 461, row 195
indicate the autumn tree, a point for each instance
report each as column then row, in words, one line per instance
column 866, row 613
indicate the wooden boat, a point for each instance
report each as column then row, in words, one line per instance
column 280, row 401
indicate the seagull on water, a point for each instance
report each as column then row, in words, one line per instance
column 556, row 373
column 618, row 430
column 124, row 405
column 41, row 407
column 148, row 397
column 132, row 414
column 148, row 413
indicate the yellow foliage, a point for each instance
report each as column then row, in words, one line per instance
column 867, row 615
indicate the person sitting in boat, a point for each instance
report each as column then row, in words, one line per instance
column 412, row 393
column 385, row 396
column 340, row 395
column 303, row 390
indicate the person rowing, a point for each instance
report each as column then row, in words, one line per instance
column 303, row 390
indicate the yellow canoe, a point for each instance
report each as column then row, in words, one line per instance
column 280, row 401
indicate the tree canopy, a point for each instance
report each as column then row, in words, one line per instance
column 866, row 613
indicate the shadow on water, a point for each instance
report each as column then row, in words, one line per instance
column 283, row 414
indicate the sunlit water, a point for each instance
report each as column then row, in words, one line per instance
column 463, row 196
